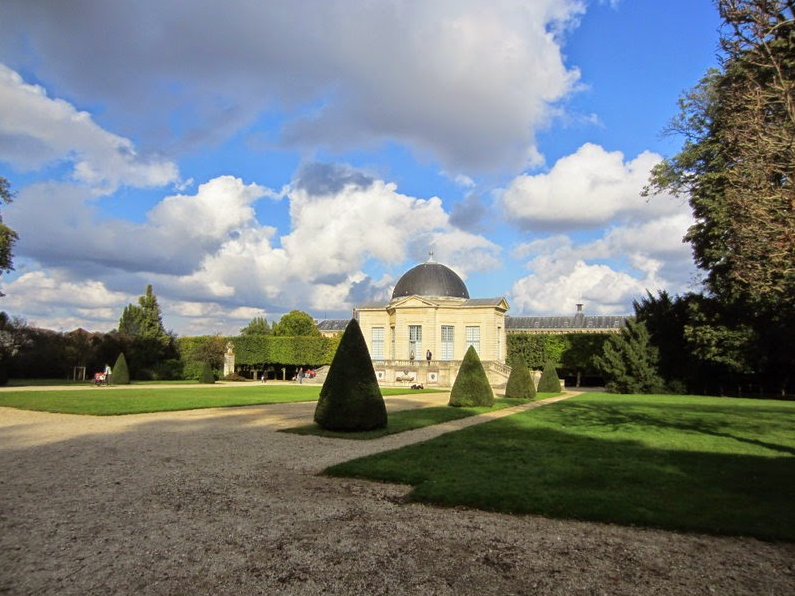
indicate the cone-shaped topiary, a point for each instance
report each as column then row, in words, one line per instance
column 351, row 399
column 206, row 375
column 549, row 381
column 471, row 387
column 520, row 383
column 120, row 371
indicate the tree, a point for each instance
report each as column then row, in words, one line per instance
column 350, row 399
column 120, row 371
column 257, row 326
column 737, row 167
column 629, row 361
column 150, row 342
column 296, row 323
column 549, row 381
column 13, row 337
column 471, row 387
column 206, row 375
column 7, row 236
column 520, row 384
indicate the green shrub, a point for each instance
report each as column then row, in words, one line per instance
column 207, row 376
column 235, row 377
column 120, row 374
column 549, row 381
column 471, row 387
column 351, row 399
column 520, row 384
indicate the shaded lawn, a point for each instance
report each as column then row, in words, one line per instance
column 715, row 465
column 102, row 401
column 404, row 420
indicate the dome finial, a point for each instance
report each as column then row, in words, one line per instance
column 430, row 257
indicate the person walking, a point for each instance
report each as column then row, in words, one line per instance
column 428, row 357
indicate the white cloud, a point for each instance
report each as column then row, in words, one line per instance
column 587, row 189
column 36, row 131
column 464, row 81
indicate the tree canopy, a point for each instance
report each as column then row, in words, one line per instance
column 257, row 326
column 7, row 236
column 737, row 168
column 296, row 323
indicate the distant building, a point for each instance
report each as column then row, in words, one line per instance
column 431, row 311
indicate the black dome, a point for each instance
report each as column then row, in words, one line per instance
column 430, row 279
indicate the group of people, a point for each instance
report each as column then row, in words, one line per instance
column 428, row 356
column 302, row 374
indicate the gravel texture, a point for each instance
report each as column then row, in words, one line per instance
column 217, row 502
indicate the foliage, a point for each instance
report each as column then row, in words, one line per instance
column 471, row 387
column 629, row 361
column 549, row 381
column 149, row 342
column 737, row 167
column 520, row 384
column 669, row 462
column 296, row 323
column 7, row 236
column 572, row 352
column 208, row 348
column 13, row 338
column 257, row 326
column 121, row 372
column 254, row 350
column 206, row 375
column 350, row 399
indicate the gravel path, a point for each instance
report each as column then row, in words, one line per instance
column 217, row 502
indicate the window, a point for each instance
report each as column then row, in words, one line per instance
column 473, row 338
column 447, row 343
column 378, row 343
column 415, row 341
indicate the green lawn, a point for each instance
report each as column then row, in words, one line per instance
column 715, row 465
column 407, row 420
column 102, row 401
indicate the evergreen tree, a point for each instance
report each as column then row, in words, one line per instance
column 257, row 326
column 351, row 399
column 120, row 371
column 629, row 362
column 471, row 387
column 549, row 381
column 206, row 375
column 520, row 384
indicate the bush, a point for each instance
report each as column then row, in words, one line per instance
column 520, row 384
column 471, row 387
column 120, row 374
column 351, row 399
column 549, row 381
column 234, row 377
column 207, row 376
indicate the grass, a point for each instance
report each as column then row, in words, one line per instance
column 714, row 465
column 101, row 401
column 404, row 420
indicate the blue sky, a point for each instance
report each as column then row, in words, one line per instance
column 248, row 159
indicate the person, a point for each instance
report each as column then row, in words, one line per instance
column 411, row 356
column 107, row 374
column 428, row 356
column 300, row 375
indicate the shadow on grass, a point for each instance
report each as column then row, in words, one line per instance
column 583, row 461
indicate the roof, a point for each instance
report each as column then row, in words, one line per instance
column 430, row 279
column 578, row 322
column 332, row 324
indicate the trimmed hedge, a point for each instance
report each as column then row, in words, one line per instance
column 471, row 387
column 549, row 381
column 120, row 374
column 351, row 399
column 520, row 384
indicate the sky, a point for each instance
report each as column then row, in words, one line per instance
column 252, row 158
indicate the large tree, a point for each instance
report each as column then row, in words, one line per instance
column 7, row 236
column 296, row 323
column 737, row 167
column 151, row 343
column 257, row 326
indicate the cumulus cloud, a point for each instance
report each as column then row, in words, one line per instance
column 465, row 82
column 36, row 130
column 586, row 189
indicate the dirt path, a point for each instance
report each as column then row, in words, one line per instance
column 217, row 502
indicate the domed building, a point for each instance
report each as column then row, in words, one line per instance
column 421, row 335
